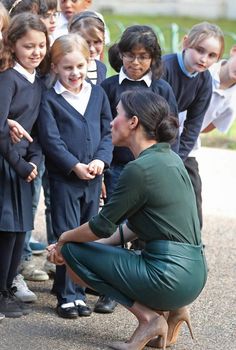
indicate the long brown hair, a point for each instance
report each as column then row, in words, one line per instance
column 19, row 26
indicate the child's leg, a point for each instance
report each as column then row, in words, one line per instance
column 66, row 214
column 11, row 245
column 16, row 257
column 191, row 166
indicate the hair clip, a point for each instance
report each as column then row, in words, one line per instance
column 14, row 5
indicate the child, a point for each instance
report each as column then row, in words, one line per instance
column 25, row 46
column 90, row 26
column 187, row 73
column 74, row 128
column 141, row 68
column 49, row 18
column 140, row 53
column 220, row 114
column 68, row 9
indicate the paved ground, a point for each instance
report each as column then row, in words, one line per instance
column 213, row 313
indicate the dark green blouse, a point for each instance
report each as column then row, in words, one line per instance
column 155, row 195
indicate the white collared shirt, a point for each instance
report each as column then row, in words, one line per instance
column 29, row 76
column 222, row 108
column 147, row 78
column 78, row 101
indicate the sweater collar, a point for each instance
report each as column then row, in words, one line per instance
column 180, row 58
column 147, row 78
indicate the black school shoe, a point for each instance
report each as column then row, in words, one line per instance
column 83, row 309
column 105, row 305
column 69, row 311
column 8, row 306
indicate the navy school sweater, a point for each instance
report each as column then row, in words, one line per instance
column 20, row 101
column 192, row 95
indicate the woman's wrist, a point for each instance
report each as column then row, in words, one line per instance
column 61, row 240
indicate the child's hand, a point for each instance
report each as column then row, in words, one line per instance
column 17, row 132
column 33, row 173
column 82, row 171
column 96, row 167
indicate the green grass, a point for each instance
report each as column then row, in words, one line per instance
column 163, row 26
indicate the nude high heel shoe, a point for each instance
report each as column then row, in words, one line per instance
column 157, row 328
column 175, row 320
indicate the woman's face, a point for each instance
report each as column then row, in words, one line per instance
column 120, row 127
column 136, row 63
column 72, row 70
column 30, row 50
column 202, row 56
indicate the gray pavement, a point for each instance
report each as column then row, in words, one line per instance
column 213, row 313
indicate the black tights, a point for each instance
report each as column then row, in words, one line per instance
column 11, row 247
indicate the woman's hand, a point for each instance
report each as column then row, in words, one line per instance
column 54, row 254
column 17, row 132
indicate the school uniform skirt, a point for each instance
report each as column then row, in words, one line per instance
column 165, row 276
column 16, row 213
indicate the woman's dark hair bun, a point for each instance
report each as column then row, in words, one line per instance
column 168, row 129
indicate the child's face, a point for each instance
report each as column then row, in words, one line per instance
column 95, row 45
column 72, row 70
column 201, row 57
column 70, row 7
column 50, row 20
column 30, row 50
column 136, row 63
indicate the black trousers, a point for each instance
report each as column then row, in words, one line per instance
column 11, row 246
column 191, row 166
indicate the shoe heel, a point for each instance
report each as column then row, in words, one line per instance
column 163, row 333
column 188, row 322
column 182, row 315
